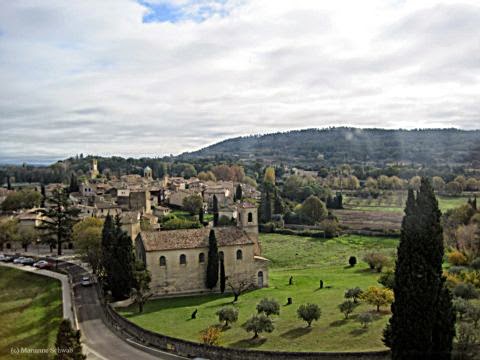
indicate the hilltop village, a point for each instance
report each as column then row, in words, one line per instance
column 173, row 250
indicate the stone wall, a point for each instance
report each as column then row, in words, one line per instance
column 127, row 329
column 178, row 278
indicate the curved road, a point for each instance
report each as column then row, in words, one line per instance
column 99, row 342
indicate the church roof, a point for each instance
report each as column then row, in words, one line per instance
column 192, row 238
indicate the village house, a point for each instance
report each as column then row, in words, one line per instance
column 177, row 259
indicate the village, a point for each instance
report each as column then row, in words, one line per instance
column 174, row 256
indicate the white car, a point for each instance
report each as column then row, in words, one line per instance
column 18, row 260
column 86, row 281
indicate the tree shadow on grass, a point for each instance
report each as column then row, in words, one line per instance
column 339, row 322
column 249, row 343
column 359, row 331
column 296, row 333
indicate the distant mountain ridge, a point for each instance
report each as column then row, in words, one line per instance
column 352, row 145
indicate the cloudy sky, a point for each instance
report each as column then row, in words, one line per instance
column 154, row 77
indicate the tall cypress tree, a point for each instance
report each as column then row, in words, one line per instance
column 73, row 184
column 212, row 264
column 222, row 276
column 422, row 322
column 215, row 210
column 117, row 259
column 278, row 205
column 239, row 193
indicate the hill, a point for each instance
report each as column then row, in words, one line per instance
column 352, row 145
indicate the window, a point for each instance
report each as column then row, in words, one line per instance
column 221, row 255
column 250, row 217
column 239, row 255
column 183, row 259
column 201, row 258
column 163, row 261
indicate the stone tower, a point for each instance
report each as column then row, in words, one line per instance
column 248, row 218
column 94, row 173
column 147, row 173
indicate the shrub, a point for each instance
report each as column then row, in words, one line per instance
column 309, row 313
column 353, row 293
column 365, row 319
column 460, row 306
column 465, row 291
column 347, row 307
column 268, row 307
column 258, row 324
column 176, row 223
column 466, row 339
column 471, row 277
column 376, row 261
column 457, row 258
column 229, row 314
column 473, row 313
column 475, row 264
column 352, row 261
column 211, row 335
column 387, row 279
column 378, row 296
column 456, row 270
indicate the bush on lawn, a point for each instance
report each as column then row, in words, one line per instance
column 229, row 314
column 268, row 307
column 309, row 313
column 465, row 291
column 352, row 261
column 457, row 258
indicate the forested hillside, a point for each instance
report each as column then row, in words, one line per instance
column 350, row 145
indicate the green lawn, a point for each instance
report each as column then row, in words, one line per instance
column 388, row 204
column 30, row 312
column 306, row 259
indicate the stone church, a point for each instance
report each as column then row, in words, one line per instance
column 177, row 259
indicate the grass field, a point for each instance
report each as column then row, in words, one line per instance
column 30, row 312
column 385, row 213
column 306, row 259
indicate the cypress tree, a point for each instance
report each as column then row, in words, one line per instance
column 9, row 184
column 421, row 325
column 68, row 339
column 212, row 264
column 117, row 258
column 73, row 184
column 278, row 206
column 215, row 210
column 239, row 193
column 266, row 205
column 222, row 277
column 200, row 216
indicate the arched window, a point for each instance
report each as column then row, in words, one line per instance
column 221, row 256
column 163, row 261
column 250, row 217
column 239, row 254
column 9, row 246
column 260, row 279
column 183, row 259
column 201, row 258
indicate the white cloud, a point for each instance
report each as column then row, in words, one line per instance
column 90, row 76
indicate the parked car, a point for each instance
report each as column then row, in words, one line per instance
column 86, row 281
column 18, row 260
column 2, row 257
column 7, row 258
column 27, row 261
column 43, row 264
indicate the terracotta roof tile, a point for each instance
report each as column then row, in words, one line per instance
column 192, row 238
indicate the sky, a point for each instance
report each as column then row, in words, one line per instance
column 158, row 77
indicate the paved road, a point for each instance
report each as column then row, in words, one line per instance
column 98, row 341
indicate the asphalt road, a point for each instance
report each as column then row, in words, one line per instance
column 98, row 340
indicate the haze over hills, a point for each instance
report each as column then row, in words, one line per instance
column 352, row 145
